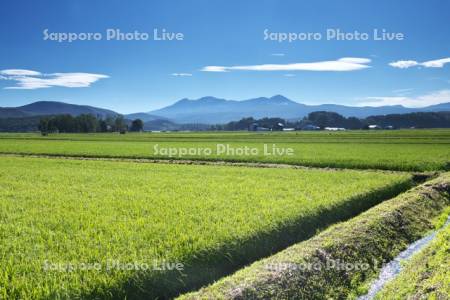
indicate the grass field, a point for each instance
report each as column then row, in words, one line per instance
column 432, row 136
column 405, row 150
column 93, row 229
column 326, row 265
column 63, row 222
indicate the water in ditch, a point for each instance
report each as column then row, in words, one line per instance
column 393, row 268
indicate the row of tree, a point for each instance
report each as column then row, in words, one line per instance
column 247, row 123
column 87, row 123
column 324, row 119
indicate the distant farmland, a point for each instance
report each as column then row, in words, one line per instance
column 404, row 150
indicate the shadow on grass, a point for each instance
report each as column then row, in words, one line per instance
column 211, row 265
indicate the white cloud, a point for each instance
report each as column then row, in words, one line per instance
column 438, row 63
column 277, row 54
column 181, row 74
column 29, row 80
column 19, row 72
column 340, row 65
column 355, row 60
column 404, row 64
column 214, row 69
column 289, row 75
column 432, row 98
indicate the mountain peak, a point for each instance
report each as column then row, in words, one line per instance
column 279, row 97
column 210, row 99
column 40, row 103
column 184, row 100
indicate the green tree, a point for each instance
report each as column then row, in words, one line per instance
column 119, row 124
column 137, row 125
column 43, row 126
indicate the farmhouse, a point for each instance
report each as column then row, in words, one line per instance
column 256, row 127
column 335, row 128
column 310, row 127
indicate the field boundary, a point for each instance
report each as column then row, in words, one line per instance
column 225, row 163
column 372, row 238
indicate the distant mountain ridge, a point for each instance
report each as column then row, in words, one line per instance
column 11, row 112
column 211, row 110
column 41, row 108
column 53, row 107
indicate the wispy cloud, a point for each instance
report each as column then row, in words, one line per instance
column 432, row 98
column 438, row 63
column 402, row 92
column 289, row 75
column 181, row 74
column 340, row 65
column 404, row 64
column 30, row 80
column 20, row 72
column 277, row 54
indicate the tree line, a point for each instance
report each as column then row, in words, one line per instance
column 321, row 119
column 86, row 123
column 324, row 119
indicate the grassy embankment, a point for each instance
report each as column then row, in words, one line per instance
column 308, row 269
column 426, row 276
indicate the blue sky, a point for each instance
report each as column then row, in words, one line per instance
column 131, row 76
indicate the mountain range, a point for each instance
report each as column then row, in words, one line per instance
column 211, row 110
column 42, row 108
